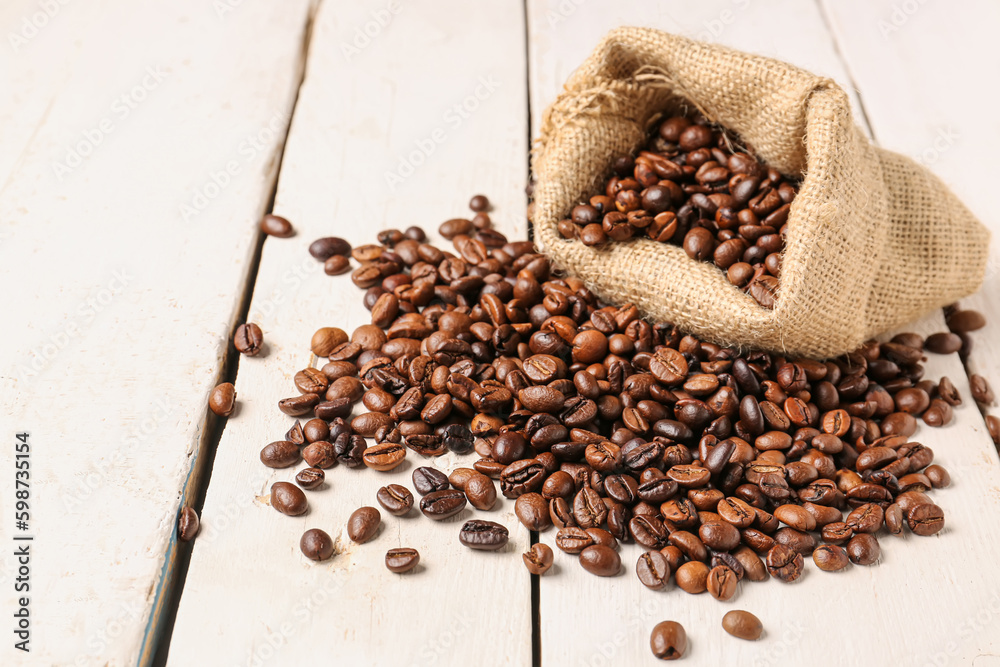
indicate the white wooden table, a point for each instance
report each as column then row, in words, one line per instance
column 139, row 145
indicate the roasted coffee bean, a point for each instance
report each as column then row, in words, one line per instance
column 692, row 577
column 395, row 499
column 982, row 393
column 328, row 246
column 316, row 544
column 187, row 524
column 668, row 641
column 440, row 505
column 401, row 559
column 481, row 535
column 288, row 499
column 481, row 491
column 276, row 226
column 326, row 340
column 783, row 563
column 753, row 566
column 336, row 265
column 310, row 478
column 722, row 582
column 363, row 524
column 964, row 321
column 279, row 454
column 350, row 450
column 384, row 456
column 601, row 560
column 320, row 454
column 296, row 406
column 830, row 558
column 588, row 508
column 925, row 519
column 223, row 399
column 427, row 480
column 538, row 559
column 248, row 339
column 863, row 549
column 573, row 540
column 532, row 511
column 742, row 625
column 653, row 570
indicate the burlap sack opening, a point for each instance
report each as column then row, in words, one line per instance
column 874, row 239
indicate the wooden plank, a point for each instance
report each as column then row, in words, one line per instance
column 593, row 621
column 928, row 103
column 365, row 111
column 118, row 311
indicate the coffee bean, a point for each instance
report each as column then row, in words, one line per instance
column 277, row 226
column 722, row 582
column 830, row 558
column 943, row 343
column 384, row 456
column 363, row 524
column 481, row 535
column 325, row 340
column 401, row 559
column 481, row 491
column 479, row 203
column 316, row 545
column 925, row 519
column 440, row 505
column 783, row 563
column 328, row 246
column 310, row 478
column 573, row 540
column 533, row 511
column 538, row 559
column 223, row 399
column 863, row 549
column 297, row 406
column 653, row 570
column 248, row 339
column 320, row 454
column 395, row 499
column 279, row 454
column 964, row 321
column 336, row 265
column 187, row 524
column 601, row 560
column 288, row 499
column 668, row 641
column 692, row 577
column 982, row 393
column 427, row 480
column 742, row 625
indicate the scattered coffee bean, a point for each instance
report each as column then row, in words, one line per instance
column 742, row 625
column 783, row 563
column 324, row 248
column 384, row 456
column 668, row 641
column 482, row 535
column 279, row 454
column 830, row 558
column 863, row 549
column 943, row 343
column 479, row 203
column 538, row 559
column 326, row 340
column 964, row 321
column 187, row 524
column 223, row 399
column 427, row 480
column 402, row 559
column 310, row 478
column 288, row 499
column 336, row 265
column 316, row 544
column 440, row 505
column 692, row 577
column 363, row 524
column 601, row 560
column 248, row 339
column 395, row 499
column 925, row 519
column 277, row 226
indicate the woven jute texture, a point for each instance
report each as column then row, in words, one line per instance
column 874, row 239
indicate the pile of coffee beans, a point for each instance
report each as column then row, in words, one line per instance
column 691, row 187
column 723, row 465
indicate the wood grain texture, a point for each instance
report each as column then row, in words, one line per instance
column 118, row 310
column 437, row 98
column 928, row 103
column 939, row 595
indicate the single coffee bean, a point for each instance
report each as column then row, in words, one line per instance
column 601, row 560
column 668, row 640
column 532, row 511
column 481, row 491
column 982, row 393
column 863, row 549
column 722, row 582
column 248, row 339
column 328, row 246
column 326, row 340
column 538, row 559
column 336, row 265
column 426, row 480
column 925, row 519
column 830, row 558
column 653, row 570
column 316, row 544
column 320, row 454
column 479, row 203
column 481, row 535
column 279, row 454
column 784, row 564
column 753, row 567
column 692, row 577
column 310, row 478
column 288, row 499
column 401, row 559
column 440, row 505
column 943, row 343
column 742, row 625
column 573, row 540
column 363, row 524
column 938, row 476
column 223, row 399
column 277, row 226
column 384, row 456
column 964, row 321
column 187, row 524
column 395, row 499
column 297, row 406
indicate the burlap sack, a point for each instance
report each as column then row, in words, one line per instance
column 874, row 239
